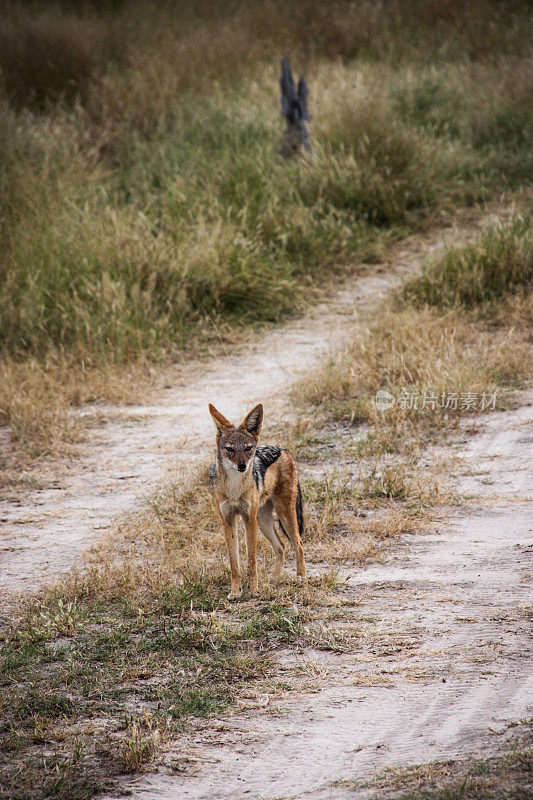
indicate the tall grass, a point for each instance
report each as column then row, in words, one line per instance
column 205, row 222
column 142, row 197
column 501, row 263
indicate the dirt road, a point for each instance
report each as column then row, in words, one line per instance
column 444, row 655
column 133, row 449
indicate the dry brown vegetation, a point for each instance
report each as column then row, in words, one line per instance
column 462, row 326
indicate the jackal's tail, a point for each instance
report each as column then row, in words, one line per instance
column 300, row 511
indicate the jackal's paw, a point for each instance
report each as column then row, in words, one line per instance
column 235, row 595
column 302, row 578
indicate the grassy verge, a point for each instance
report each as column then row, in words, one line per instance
column 461, row 327
column 144, row 208
column 499, row 265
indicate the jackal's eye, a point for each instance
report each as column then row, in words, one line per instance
column 229, row 450
column 248, row 449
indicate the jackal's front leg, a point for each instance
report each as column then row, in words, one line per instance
column 232, row 543
column 251, row 542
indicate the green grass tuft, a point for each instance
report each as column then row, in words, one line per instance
column 500, row 263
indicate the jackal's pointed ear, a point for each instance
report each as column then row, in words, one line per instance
column 253, row 422
column 220, row 420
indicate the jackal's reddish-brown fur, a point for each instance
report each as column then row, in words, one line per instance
column 237, row 492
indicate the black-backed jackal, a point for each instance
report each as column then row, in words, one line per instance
column 255, row 483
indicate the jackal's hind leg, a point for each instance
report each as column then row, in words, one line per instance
column 265, row 517
column 286, row 512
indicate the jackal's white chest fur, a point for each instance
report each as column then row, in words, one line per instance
column 236, row 484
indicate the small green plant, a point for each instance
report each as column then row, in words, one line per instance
column 199, row 702
column 140, row 744
column 386, row 482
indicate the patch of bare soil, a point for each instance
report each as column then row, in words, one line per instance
column 54, row 512
column 443, row 657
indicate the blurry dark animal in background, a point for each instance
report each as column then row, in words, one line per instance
column 295, row 109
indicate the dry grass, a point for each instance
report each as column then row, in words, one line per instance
column 40, row 400
column 49, row 55
column 423, row 354
column 59, row 53
column 105, row 677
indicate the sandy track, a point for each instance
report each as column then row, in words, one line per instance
column 135, row 448
column 450, row 656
